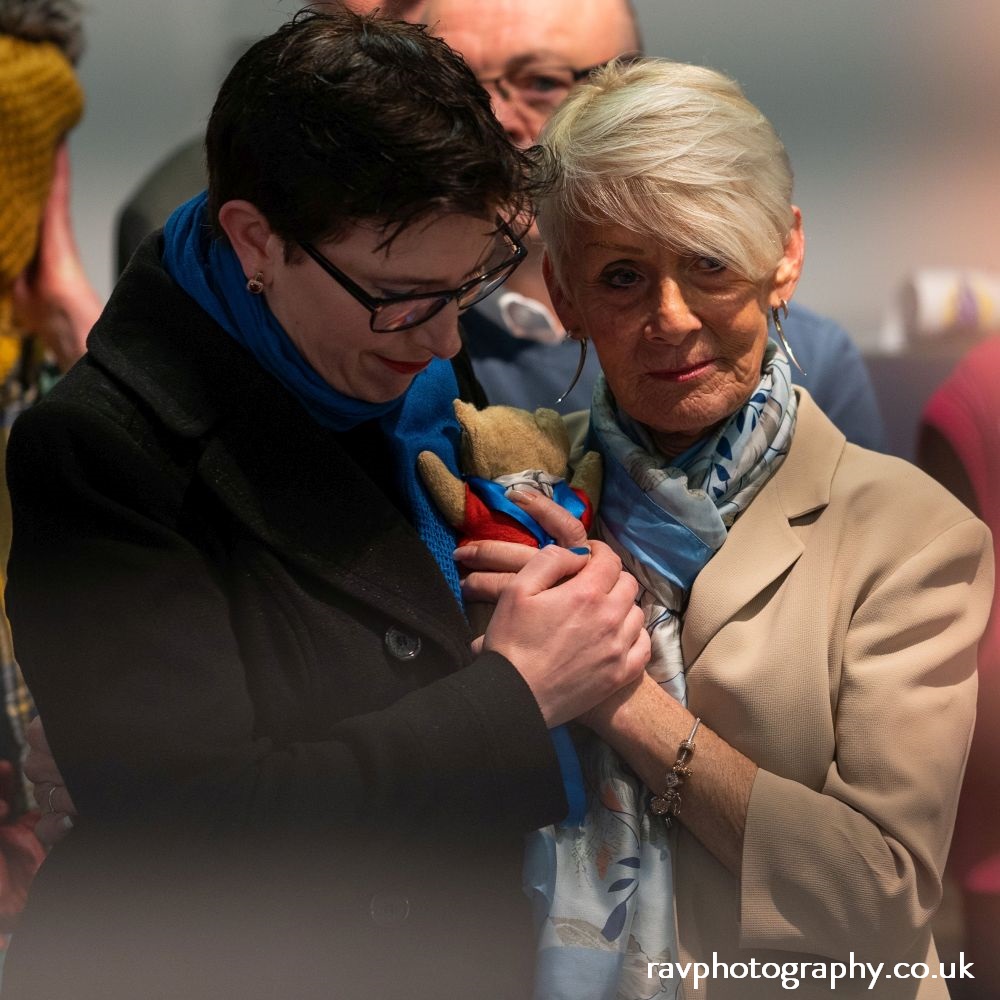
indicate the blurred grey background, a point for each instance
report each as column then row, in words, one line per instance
column 890, row 111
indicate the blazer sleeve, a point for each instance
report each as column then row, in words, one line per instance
column 861, row 859
column 124, row 632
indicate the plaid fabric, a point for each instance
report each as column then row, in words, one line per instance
column 17, row 700
column 27, row 372
column 18, row 707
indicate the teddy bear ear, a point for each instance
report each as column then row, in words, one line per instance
column 464, row 412
column 552, row 424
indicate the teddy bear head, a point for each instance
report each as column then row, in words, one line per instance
column 502, row 439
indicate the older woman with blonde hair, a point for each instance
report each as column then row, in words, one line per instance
column 815, row 605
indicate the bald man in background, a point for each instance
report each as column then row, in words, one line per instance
column 528, row 55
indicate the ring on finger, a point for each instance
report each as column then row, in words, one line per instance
column 48, row 798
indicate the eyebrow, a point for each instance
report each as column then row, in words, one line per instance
column 624, row 247
column 403, row 279
column 548, row 56
column 424, row 283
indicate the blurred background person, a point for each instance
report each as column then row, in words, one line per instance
column 959, row 445
column 47, row 307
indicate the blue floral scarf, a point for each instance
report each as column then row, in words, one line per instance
column 603, row 891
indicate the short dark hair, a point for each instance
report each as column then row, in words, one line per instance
column 338, row 116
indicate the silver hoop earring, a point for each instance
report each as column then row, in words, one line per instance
column 579, row 369
column 255, row 285
column 776, row 319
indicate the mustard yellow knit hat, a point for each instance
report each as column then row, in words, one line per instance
column 40, row 101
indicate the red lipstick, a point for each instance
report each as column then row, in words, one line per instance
column 404, row 367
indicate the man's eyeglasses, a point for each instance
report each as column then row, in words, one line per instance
column 543, row 87
column 400, row 312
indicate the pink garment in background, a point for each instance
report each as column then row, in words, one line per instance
column 965, row 410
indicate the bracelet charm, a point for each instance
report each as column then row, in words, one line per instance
column 668, row 803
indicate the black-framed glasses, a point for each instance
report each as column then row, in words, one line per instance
column 544, row 86
column 400, row 312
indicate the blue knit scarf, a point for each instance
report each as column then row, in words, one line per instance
column 421, row 419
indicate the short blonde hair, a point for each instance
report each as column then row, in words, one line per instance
column 673, row 152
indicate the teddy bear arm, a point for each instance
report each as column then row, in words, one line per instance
column 446, row 490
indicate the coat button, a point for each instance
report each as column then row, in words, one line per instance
column 388, row 909
column 401, row 645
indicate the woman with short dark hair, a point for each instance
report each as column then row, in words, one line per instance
column 295, row 776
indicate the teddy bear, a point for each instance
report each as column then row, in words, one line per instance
column 504, row 448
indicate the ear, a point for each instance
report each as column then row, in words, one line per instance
column 551, row 424
column 568, row 314
column 786, row 274
column 465, row 413
column 257, row 247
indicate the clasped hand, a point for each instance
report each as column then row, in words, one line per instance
column 51, row 794
column 568, row 622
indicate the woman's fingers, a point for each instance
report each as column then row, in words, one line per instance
column 485, row 588
column 552, row 565
column 641, row 648
column 39, row 766
column 51, row 795
column 53, row 798
column 570, row 626
column 558, row 522
column 40, row 769
column 491, row 566
column 35, row 735
column 493, row 556
column 57, row 811
column 53, row 827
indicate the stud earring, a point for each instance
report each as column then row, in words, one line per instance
column 579, row 367
column 776, row 319
column 255, row 285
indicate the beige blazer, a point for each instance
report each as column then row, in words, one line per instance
column 832, row 640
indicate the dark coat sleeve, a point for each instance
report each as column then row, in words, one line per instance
column 125, row 631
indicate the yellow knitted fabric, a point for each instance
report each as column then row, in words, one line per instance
column 40, row 101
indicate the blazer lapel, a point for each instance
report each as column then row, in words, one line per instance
column 763, row 544
column 760, row 547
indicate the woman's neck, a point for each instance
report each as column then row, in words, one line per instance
column 676, row 443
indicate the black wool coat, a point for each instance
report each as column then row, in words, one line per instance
column 293, row 777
